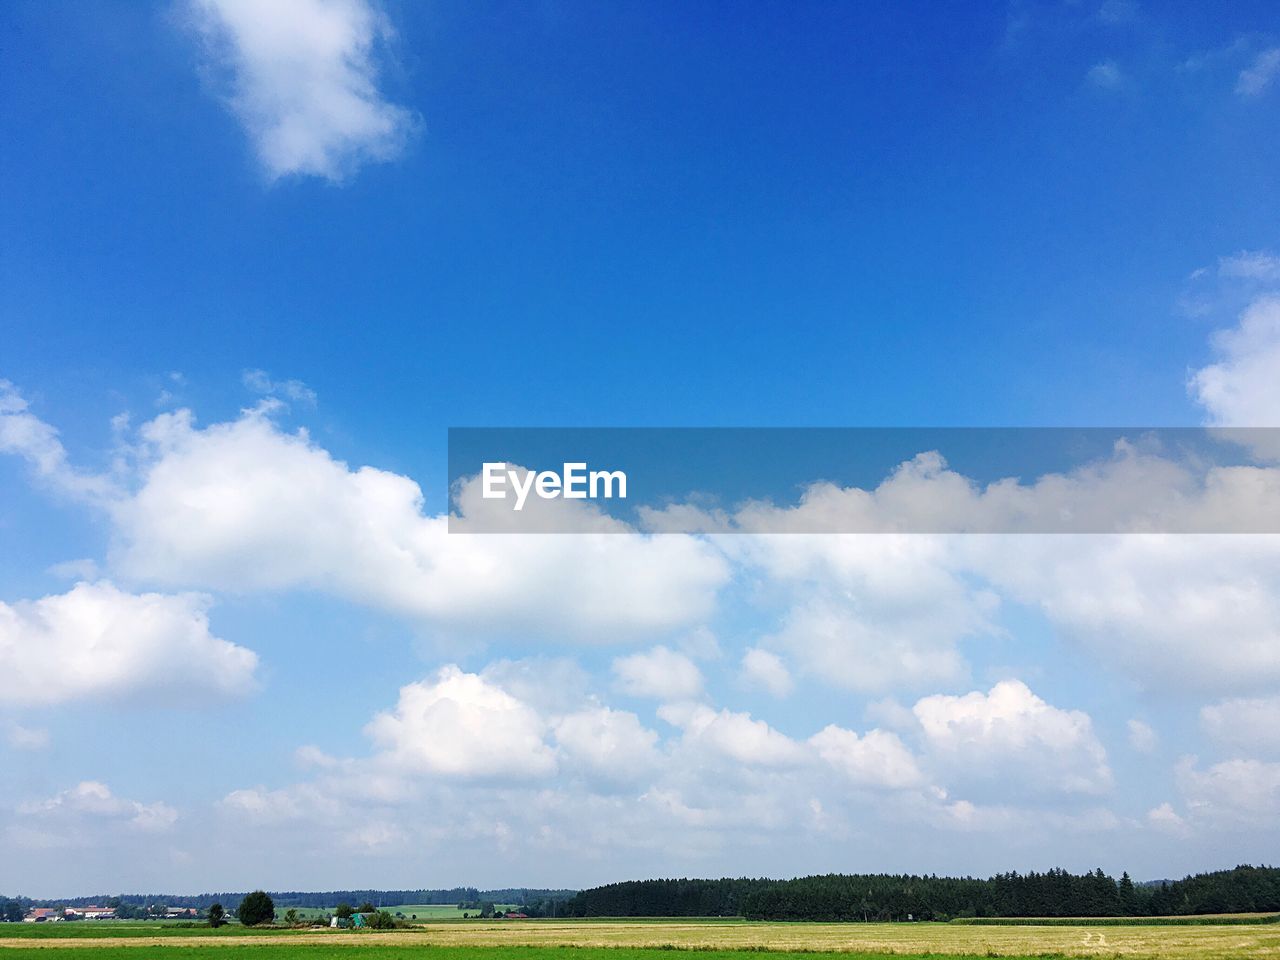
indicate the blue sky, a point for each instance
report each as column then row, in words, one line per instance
column 375, row 222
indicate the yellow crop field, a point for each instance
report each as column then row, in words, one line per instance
column 634, row 940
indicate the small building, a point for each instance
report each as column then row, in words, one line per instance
column 42, row 915
column 95, row 913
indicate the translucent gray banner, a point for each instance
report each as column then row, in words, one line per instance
column 864, row 480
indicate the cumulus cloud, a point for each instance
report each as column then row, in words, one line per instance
column 1164, row 817
column 1144, row 484
column 601, row 784
column 92, row 801
column 876, row 759
column 868, row 613
column 660, row 674
column 1242, row 388
column 97, row 641
column 244, row 505
column 551, row 685
column 766, row 671
column 733, row 735
column 1257, row 78
column 458, row 725
column 886, row 612
column 301, row 76
column 849, row 646
column 1248, row 724
column 1011, row 736
column 609, row 744
column 1172, row 611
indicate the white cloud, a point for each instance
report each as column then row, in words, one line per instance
column 551, row 685
column 660, row 673
column 25, row 738
column 1165, row 818
column 1257, row 78
column 859, row 647
column 91, row 801
column 301, row 76
column 733, row 735
column 98, row 641
column 1257, row 265
column 311, row 756
column 1251, row 725
column 26, row 435
column 881, row 613
column 82, row 569
column 1173, row 611
column 1234, row 792
column 260, row 382
column 1011, row 736
column 890, row 713
column 1242, row 389
column 1141, row 736
column 611, row 744
column 766, row 671
column 458, row 725
column 877, row 759
column 260, row 806
column 245, row 506
column 721, row 780
column 865, row 613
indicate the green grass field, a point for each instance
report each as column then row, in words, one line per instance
column 647, row 940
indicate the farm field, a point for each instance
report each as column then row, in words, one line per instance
column 648, row 940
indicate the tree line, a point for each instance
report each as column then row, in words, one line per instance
column 321, row 900
column 871, row 897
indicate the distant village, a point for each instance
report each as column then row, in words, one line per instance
column 52, row 914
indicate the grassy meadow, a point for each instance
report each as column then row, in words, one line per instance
column 646, row 940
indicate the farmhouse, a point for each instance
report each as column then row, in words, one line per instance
column 41, row 915
column 89, row 913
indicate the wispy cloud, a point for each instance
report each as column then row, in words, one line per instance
column 1105, row 76
column 1257, row 78
column 259, row 381
column 1250, row 265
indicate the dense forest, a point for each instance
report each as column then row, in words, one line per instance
column 1055, row 893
